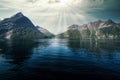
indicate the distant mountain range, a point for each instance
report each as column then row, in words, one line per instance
column 98, row 29
column 20, row 27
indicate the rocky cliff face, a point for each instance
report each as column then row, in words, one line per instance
column 98, row 29
column 45, row 31
column 19, row 27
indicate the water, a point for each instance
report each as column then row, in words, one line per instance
column 60, row 59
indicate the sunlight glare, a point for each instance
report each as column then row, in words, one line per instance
column 64, row 1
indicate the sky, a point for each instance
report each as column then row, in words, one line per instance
column 57, row 15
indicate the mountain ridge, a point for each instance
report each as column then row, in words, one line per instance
column 19, row 27
column 98, row 29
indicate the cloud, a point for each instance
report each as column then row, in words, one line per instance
column 56, row 17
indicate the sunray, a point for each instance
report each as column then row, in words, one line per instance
column 76, row 13
column 63, row 22
column 63, row 16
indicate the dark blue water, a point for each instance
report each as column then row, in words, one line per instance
column 60, row 59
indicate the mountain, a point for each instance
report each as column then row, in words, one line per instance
column 98, row 29
column 19, row 27
column 45, row 31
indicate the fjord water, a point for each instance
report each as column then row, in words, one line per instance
column 56, row 59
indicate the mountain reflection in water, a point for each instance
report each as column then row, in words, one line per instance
column 56, row 59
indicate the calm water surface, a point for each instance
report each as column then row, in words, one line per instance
column 60, row 59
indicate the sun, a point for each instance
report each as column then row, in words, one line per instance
column 64, row 1
column 60, row 3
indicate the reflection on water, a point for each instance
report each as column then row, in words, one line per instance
column 16, row 52
column 97, row 49
column 58, row 59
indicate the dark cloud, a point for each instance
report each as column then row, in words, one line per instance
column 104, row 9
